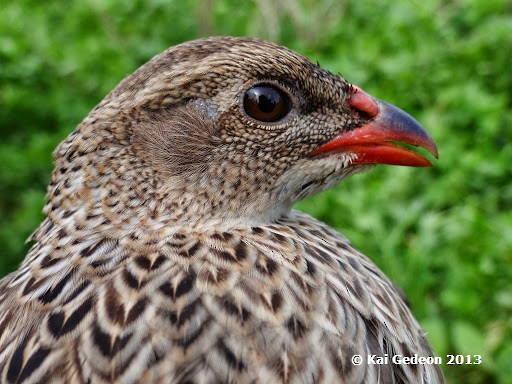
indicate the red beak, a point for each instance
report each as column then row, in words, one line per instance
column 371, row 143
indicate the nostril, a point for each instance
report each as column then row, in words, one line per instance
column 363, row 102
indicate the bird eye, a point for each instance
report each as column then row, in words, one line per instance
column 266, row 103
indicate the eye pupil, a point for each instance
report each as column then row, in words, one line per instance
column 267, row 103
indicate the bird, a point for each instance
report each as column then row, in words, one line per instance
column 170, row 251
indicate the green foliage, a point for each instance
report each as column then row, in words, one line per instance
column 444, row 235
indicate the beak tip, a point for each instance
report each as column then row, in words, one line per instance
column 408, row 127
column 435, row 152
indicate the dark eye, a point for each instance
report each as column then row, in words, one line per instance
column 266, row 103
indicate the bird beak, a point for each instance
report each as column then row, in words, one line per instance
column 372, row 143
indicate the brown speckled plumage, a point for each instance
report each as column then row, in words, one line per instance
column 170, row 253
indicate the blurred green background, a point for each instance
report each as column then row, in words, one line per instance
column 444, row 234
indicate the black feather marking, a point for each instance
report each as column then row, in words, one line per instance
column 77, row 316
column 102, row 340
column 16, row 362
column 137, row 310
column 230, row 357
column 52, row 294
column 33, row 363
column 184, row 286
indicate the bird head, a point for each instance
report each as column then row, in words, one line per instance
column 225, row 129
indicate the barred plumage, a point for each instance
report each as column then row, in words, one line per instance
column 170, row 253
